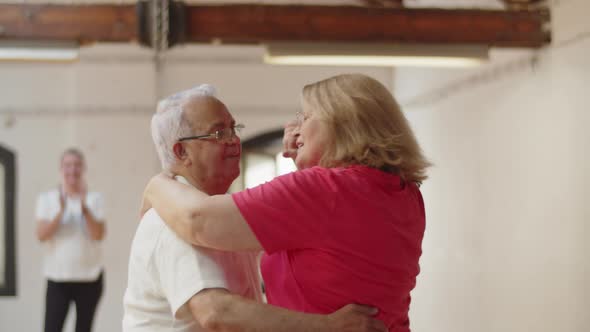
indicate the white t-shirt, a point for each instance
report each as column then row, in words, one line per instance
column 165, row 273
column 70, row 254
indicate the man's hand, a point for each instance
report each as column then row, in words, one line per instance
column 83, row 206
column 290, row 139
column 355, row 318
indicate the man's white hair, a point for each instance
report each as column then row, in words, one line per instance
column 169, row 123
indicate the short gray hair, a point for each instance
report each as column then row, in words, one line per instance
column 73, row 152
column 169, row 123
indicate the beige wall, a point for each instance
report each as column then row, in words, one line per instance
column 506, row 245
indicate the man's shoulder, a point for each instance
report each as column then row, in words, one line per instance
column 150, row 225
column 152, row 216
column 51, row 193
column 148, row 232
column 94, row 195
column 154, row 236
column 153, row 229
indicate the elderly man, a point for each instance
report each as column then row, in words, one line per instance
column 174, row 286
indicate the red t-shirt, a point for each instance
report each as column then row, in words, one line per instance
column 335, row 236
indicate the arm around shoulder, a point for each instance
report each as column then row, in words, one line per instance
column 219, row 224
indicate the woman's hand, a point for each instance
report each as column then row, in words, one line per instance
column 146, row 204
column 290, row 139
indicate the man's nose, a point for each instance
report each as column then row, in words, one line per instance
column 234, row 139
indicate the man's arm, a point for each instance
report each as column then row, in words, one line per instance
column 218, row 310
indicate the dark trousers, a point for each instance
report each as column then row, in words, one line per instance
column 85, row 296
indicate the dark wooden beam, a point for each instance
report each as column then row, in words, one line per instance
column 524, row 4
column 382, row 3
column 263, row 23
column 83, row 23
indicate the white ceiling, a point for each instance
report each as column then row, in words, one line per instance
column 489, row 4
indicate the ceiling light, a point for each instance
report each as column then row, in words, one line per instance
column 338, row 54
column 38, row 51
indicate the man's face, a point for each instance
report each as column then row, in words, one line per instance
column 210, row 160
column 72, row 169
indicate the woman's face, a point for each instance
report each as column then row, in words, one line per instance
column 312, row 141
column 72, row 169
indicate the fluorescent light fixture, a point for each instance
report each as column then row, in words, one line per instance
column 38, row 51
column 338, row 54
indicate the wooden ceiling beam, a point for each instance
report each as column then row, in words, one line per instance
column 82, row 23
column 263, row 23
column 294, row 23
column 383, row 3
column 524, row 4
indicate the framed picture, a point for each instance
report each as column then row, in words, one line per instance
column 7, row 222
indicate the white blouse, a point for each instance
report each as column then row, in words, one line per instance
column 70, row 254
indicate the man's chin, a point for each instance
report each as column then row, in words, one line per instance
column 72, row 182
column 233, row 157
column 231, row 170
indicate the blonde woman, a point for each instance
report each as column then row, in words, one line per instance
column 346, row 228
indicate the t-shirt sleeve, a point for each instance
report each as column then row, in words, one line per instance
column 185, row 270
column 42, row 209
column 289, row 212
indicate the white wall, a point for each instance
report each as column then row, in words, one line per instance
column 103, row 104
column 507, row 203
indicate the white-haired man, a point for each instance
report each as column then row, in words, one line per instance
column 173, row 286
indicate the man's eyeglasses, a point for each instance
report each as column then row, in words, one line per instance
column 221, row 135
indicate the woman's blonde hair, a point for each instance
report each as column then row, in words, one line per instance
column 366, row 125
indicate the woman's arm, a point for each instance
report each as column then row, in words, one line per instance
column 208, row 221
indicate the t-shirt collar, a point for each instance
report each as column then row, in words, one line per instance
column 182, row 180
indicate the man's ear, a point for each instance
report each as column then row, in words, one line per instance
column 179, row 151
